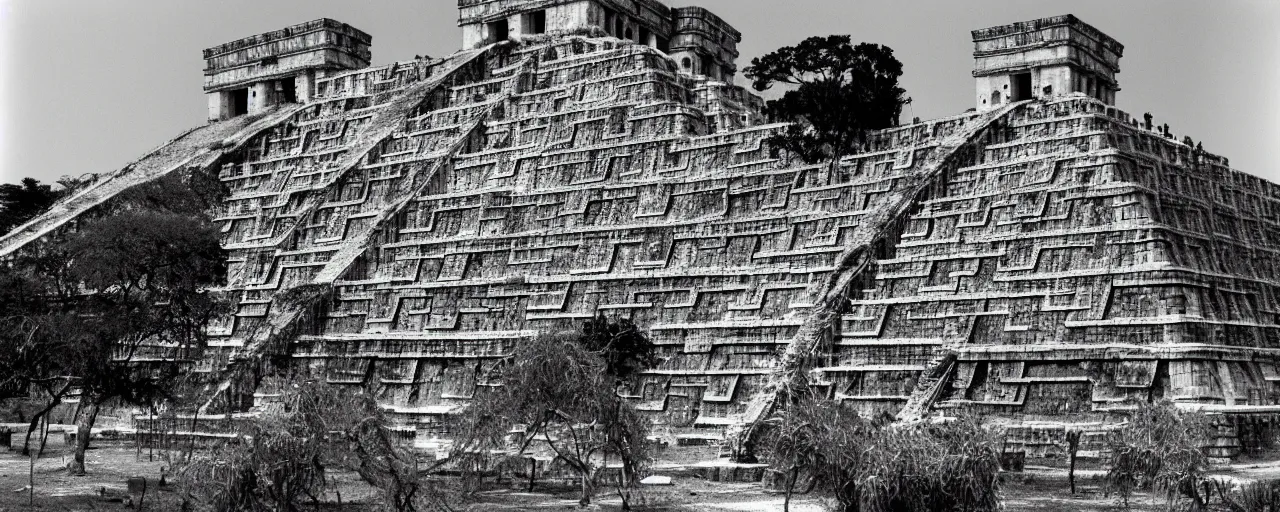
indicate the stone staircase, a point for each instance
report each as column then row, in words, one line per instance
column 198, row 147
column 857, row 258
column 285, row 315
column 929, row 387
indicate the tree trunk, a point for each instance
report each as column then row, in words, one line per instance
column 586, row 489
column 31, row 482
column 533, row 470
column 35, row 422
column 191, row 439
column 84, row 425
column 791, row 485
column 26, row 441
column 624, row 481
column 1071, row 473
column 44, row 438
column 1073, row 446
column 143, row 499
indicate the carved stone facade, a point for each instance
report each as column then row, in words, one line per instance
column 1044, row 58
column 250, row 75
column 703, row 43
column 1042, row 260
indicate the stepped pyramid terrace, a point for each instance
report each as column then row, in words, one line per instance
column 1041, row 257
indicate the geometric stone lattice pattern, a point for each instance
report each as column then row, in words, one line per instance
column 1081, row 261
column 1063, row 260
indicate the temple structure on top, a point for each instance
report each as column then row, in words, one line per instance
column 255, row 73
column 1043, row 58
column 699, row 40
column 400, row 228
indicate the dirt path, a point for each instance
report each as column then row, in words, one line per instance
column 109, row 469
column 1038, row 489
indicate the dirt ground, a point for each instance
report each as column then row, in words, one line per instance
column 1038, row 488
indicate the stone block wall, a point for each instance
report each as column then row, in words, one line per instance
column 448, row 209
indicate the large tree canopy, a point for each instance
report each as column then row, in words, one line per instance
column 114, row 306
column 838, row 92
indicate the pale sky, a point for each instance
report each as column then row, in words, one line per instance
column 90, row 85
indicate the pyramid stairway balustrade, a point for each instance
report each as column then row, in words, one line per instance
column 443, row 210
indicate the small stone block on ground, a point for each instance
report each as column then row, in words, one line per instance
column 656, row 480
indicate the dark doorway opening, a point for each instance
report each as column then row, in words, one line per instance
column 1021, row 86
column 644, row 36
column 499, row 30
column 288, row 91
column 537, row 22
column 664, row 45
column 239, row 102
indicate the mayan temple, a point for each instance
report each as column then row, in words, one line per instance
column 1040, row 257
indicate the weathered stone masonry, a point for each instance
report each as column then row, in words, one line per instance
column 1042, row 258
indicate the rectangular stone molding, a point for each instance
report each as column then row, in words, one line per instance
column 1044, row 58
column 252, row 74
column 702, row 42
column 1044, row 262
column 710, row 44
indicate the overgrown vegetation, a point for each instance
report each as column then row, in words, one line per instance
column 620, row 343
column 1257, row 496
column 113, row 309
column 287, row 456
column 875, row 465
column 1160, row 448
column 837, row 92
column 559, row 392
column 22, row 202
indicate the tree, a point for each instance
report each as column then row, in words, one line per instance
column 624, row 348
column 797, row 442
column 21, row 203
column 557, row 392
column 37, row 336
column 123, row 295
column 284, row 456
column 1159, row 447
column 32, row 360
column 838, row 92
column 1073, row 450
column 147, row 267
column 875, row 465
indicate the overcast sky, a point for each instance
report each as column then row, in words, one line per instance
column 90, row 85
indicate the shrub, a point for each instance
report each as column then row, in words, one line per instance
column 559, row 394
column 874, row 466
column 1159, row 447
column 283, row 457
column 1260, row 496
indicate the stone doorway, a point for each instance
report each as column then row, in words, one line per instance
column 288, row 91
column 239, row 102
column 499, row 31
column 1021, row 86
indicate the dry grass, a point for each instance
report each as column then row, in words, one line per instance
column 1040, row 489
